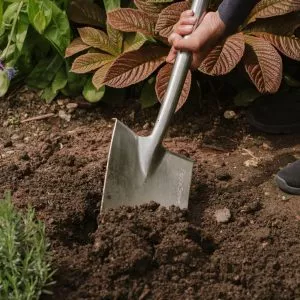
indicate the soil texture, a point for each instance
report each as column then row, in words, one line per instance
column 239, row 238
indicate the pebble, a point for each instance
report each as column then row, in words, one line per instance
column 223, row 175
column 223, row 215
column 146, row 126
column 24, row 156
column 71, row 107
column 16, row 137
column 229, row 114
column 63, row 115
column 7, row 144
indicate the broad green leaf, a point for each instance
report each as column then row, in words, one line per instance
column 4, row 83
column 58, row 31
column 60, row 80
column 1, row 12
column 91, row 94
column 111, row 4
column 40, row 14
column 75, row 84
column 10, row 12
column 246, row 96
column 148, row 96
column 44, row 72
column 48, row 94
column 291, row 81
column 21, row 31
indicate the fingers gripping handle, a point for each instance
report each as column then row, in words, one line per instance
column 173, row 92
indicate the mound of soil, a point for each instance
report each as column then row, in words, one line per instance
column 150, row 252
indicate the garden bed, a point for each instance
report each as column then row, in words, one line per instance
column 149, row 252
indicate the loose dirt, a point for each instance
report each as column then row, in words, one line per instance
column 150, row 252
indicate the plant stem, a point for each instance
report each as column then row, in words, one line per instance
column 4, row 53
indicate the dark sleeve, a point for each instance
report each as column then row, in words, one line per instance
column 234, row 12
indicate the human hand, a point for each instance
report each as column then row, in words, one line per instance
column 200, row 41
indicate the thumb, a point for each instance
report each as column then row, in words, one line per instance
column 171, row 56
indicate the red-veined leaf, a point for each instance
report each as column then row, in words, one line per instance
column 132, row 20
column 224, row 57
column 162, row 81
column 100, row 74
column 97, row 39
column 169, row 17
column 76, row 46
column 288, row 45
column 84, row 12
column 150, row 8
column 135, row 66
column 89, row 62
column 270, row 8
column 263, row 64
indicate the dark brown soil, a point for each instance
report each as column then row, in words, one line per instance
column 150, row 252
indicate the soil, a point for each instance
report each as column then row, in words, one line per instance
column 151, row 252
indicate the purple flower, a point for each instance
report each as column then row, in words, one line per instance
column 11, row 73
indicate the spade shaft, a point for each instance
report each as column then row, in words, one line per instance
column 139, row 169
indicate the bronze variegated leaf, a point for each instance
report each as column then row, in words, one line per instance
column 76, row 46
column 280, row 25
column 97, row 39
column 135, row 66
column 263, row 64
column 169, row 17
column 84, row 12
column 132, row 20
column 133, row 41
column 288, row 45
column 115, row 38
column 162, row 80
column 89, row 62
column 150, row 8
column 270, row 8
column 225, row 56
column 100, row 74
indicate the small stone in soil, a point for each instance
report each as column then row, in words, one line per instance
column 7, row 144
column 24, row 156
column 223, row 215
column 223, row 175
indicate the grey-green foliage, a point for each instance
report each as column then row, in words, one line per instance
column 25, row 270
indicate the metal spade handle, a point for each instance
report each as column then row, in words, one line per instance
column 178, row 76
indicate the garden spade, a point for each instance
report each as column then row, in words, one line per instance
column 140, row 169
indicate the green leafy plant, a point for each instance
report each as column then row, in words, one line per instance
column 33, row 34
column 25, row 271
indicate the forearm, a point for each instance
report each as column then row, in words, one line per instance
column 234, row 12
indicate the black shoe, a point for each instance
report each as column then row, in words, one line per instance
column 279, row 113
column 288, row 179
